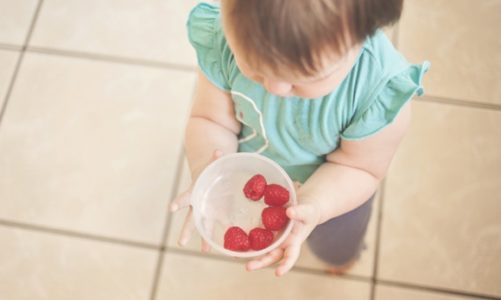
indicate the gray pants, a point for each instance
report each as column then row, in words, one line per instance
column 339, row 240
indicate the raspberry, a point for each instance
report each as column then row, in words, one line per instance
column 260, row 238
column 236, row 239
column 254, row 188
column 274, row 217
column 275, row 195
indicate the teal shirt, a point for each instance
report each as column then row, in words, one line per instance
column 295, row 132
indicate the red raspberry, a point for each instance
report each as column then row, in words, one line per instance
column 260, row 238
column 274, row 217
column 254, row 188
column 236, row 239
column 275, row 195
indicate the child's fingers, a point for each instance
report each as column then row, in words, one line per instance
column 297, row 235
column 181, row 201
column 300, row 232
column 292, row 246
column 188, row 227
column 266, row 260
column 291, row 255
column 205, row 246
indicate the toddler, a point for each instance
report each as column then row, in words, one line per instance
column 317, row 87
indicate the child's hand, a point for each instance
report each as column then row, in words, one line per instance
column 182, row 201
column 306, row 217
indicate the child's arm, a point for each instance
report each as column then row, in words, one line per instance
column 348, row 178
column 211, row 127
column 353, row 172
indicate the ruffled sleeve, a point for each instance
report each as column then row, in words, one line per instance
column 206, row 36
column 388, row 98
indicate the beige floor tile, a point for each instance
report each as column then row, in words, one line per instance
column 462, row 42
column 307, row 258
column 45, row 266
column 188, row 277
column 395, row 293
column 8, row 60
column 92, row 146
column 153, row 30
column 15, row 20
column 441, row 224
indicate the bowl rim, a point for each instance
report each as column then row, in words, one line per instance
column 196, row 211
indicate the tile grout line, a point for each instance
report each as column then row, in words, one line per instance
column 375, row 267
column 302, row 270
column 111, row 58
column 186, row 68
column 10, row 87
column 20, row 60
column 10, row 47
column 359, row 278
column 165, row 234
column 458, row 102
column 76, row 234
column 175, row 190
column 179, row 172
column 437, row 290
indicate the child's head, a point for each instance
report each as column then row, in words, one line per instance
column 302, row 47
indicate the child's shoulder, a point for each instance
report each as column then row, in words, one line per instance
column 381, row 53
column 207, row 38
column 386, row 81
column 204, row 24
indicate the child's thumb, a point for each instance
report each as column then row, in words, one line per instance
column 304, row 213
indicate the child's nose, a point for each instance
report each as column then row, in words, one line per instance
column 279, row 88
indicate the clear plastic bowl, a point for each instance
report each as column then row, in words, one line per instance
column 218, row 200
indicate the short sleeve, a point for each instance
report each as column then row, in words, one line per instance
column 206, row 36
column 390, row 96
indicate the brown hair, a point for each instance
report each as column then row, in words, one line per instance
column 296, row 33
